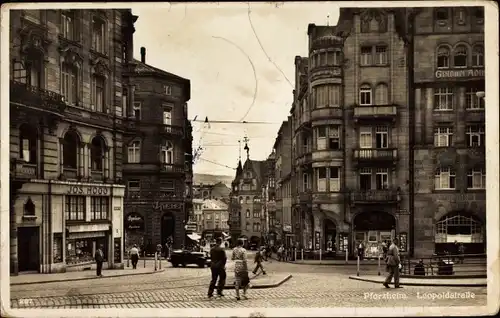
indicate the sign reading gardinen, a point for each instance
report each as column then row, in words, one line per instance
column 466, row 73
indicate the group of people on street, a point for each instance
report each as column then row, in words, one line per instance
column 218, row 268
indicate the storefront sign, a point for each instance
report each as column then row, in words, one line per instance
column 88, row 190
column 450, row 74
column 287, row 228
column 134, row 221
column 166, row 206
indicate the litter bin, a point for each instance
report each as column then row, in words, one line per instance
column 445, row 267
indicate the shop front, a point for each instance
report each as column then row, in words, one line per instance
column 61, row 225
column 460, row 228
column 372, row 228
column 134, row 230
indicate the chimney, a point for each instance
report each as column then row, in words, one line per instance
column 143, row 54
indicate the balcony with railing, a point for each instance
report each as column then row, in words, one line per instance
column 24, row 170
column 372, row 112
column 383, row 196
column 375, row 155
column 70, row 173
column 171, row 168
column 327, row 112
column 97, row 175
column 36, row 97
column 171, row 130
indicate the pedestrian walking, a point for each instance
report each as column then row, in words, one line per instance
column 361, row 250
column 259, row 258
column 134, row 256
column 242, row 280
column 218, row 268
column 393, row 262
column 461, row 251
column 281, row 250
column 99, row 259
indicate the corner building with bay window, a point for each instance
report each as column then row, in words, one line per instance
column 66, row 197
column 449, row 126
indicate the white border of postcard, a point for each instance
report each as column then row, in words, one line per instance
column 492, row 195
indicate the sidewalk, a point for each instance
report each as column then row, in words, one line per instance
column 460, row 282
column 260, row 281
column 27, row 279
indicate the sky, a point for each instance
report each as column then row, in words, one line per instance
column 215, row 47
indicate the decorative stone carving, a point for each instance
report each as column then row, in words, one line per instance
column 34, row 42
column 100, row 67
column 70, row 55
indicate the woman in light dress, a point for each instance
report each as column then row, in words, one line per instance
column 240, row 269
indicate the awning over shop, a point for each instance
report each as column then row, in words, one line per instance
column 194, row 236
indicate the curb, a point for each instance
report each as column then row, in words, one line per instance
column 84, row 278
column 419, row 284
column 265, row 286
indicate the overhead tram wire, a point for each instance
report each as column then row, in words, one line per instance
column 239, row 122
column 216, row 163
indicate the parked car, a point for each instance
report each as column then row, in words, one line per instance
column 185, row 257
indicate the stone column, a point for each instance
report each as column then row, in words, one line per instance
column 81, row 159
column 89, row 161
column 106, row 163
column 131, row 102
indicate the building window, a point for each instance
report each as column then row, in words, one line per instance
column 167, row 89
column 328, row 138
column 460, row 56
column 382, row 179
column 137, row 110
column 443, row 136
column 365, row 95
column 134, row 152
column 28, row 143
column 134, row 184
column 442, row 16
column 99, row 208
column 321, row 179
column 334, row 58
column 305, row 182
column 443, row 57
column 97, row 154
column 247, row 213
column 167, row 117
column 29, row 208
column 333, row 95
column 443, row 98
column 247, row 200
column 327, row 96
column 167, row 153
column 71, row 143
column 68, row 25
column 475, row 136
column 98, row 93
column 125, row 100
column 476, row 179
column 381, row 55
column 365, row 137
column 478, row 56
column 170, row 185
column 247, row 226
column 256, row 214
column 74, row 208
column 460, row 16
column 334, row 179
column 444, row 179
column 28, row 72
column 98, row 35
column 382, row 137
column 381, row 94
column 366, row 55
column 472, row 101
column 69, row 83
column 365, row 179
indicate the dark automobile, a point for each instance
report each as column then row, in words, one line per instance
column 184, row 257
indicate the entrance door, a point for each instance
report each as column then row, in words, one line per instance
column 28, row 243
column 330, row 235
column 167, row 227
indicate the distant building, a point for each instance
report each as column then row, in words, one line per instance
column 198, row 214
column 218, row 191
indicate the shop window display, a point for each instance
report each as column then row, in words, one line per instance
column 57, row 248
column 83, row 250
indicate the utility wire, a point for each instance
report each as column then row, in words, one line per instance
column 239, row 122
column 254, row 74
column 263, row 50
column 216, row 163
column 233, row 135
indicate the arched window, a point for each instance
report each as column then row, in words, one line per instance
column 28, row 144
column 167, row 153
column 365, row 95
column 97, row 154
column 134, row 152
column 241, row 200
column 381, row 94
column 478, row 55
column 98, row 93
column 247, row 200
column 443, row 57
column 70, row 150
column 460, row 56
column 29, row 208
column 247, row 213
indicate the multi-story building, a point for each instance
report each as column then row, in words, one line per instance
column 198, row 214
column 215, row 215
column 269, row 198
column 381, row 82
column 246, row 202
column 283, row 177
column 211, row 191
column 448, row 127
column 66, row 129
column 157, row 166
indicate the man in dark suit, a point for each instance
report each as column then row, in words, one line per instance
column 218, row 259
column 99, row 259
column 393, row 262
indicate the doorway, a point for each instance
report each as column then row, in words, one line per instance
column 167, row 227
column 330, row 235
column 371, row 228
column 28, row 244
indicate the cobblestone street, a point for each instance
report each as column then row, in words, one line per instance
column 310, row 286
